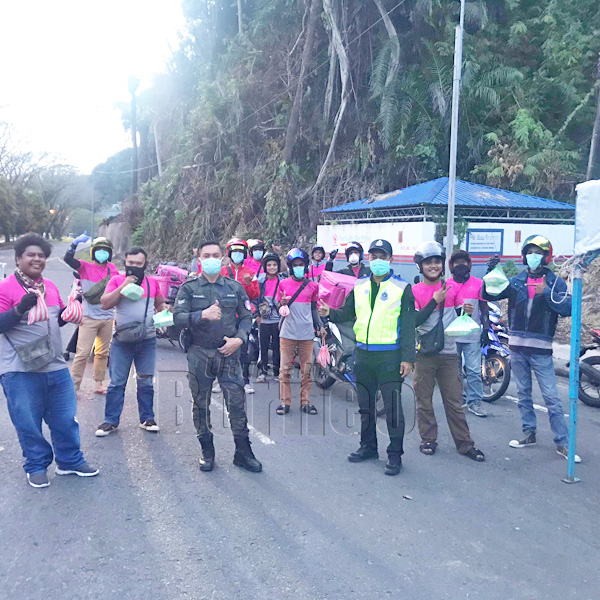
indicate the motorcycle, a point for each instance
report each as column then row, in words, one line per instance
column 170, row 278
column 589, row 373
column 340, row 367
column 495, row 357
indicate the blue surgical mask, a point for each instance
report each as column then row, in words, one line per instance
column 211, row 266
column 298, row 272
column 101, row 255
column 237, row 257
column 257, row 254
column 534, row 261
column 379, row 267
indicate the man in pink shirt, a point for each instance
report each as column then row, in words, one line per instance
column 467, row 290
column 96, row 329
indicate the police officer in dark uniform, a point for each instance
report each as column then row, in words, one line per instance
column 217, row 311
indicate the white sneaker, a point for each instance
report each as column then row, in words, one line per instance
column 150, row 425
column 216, row 388
column 248, row 388
column 262, row 378
column 564, row 452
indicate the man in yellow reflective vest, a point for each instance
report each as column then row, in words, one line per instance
column 383, row 308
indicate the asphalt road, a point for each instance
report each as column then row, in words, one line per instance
column 311, row 525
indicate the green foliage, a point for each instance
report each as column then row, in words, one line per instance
column 510, row 268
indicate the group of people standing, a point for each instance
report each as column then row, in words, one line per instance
column 395, row 328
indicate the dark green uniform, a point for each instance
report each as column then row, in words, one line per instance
column 204, row 359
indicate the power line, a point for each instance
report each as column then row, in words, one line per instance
column 258, row 110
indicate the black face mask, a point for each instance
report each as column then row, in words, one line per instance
column 136, row 272
column 461, row 273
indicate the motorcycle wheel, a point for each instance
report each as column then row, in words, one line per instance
column 185, row 339
column 589, row 393
column 497, row 378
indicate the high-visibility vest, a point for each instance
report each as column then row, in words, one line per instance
column 378, row 329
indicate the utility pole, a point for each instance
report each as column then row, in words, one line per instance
column 240, row 21
column 596, row 131
column 458, row 47
column 134, row 82
column 157, row 149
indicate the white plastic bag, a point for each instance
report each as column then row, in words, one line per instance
column 495, row 281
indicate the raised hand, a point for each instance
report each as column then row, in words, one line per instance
column 333, row 254
column 440, row 295
column 323, row 308
column 284, row 300
column 28, row 301
column 80, row 239
column 212, row 313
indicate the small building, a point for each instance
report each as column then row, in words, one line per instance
column 489, row 221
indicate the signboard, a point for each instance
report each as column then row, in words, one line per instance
column 485, row 241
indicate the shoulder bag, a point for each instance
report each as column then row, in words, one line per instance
column 134, row 332
column 433, row 341
column 293, row 298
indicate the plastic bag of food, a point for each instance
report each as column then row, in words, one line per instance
column 163, row 319
column 132, row 291
column 40, row 311
column 495, row 281
column 74, row 311
column 324, row 358
column 284, row 311
column 462, row 326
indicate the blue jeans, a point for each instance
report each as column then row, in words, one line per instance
column 543, row 367
column 32, row 397
column 470, row 354
column 143, row 355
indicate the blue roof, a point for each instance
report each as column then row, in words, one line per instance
column 435, row 193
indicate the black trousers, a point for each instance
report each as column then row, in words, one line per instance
column 204, row 366
column 269, row 335
column 373, row 371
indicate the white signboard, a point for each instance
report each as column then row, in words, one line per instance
column 485, row 241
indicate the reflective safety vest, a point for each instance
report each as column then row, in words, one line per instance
column 378, row 329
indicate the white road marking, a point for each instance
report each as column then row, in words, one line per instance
column 265, row 439
column 535, row 406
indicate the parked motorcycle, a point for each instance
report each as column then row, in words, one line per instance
column 340, row 367
column 589, row 373
column 495, row 357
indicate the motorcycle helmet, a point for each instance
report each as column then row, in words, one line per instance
column 353, row 247
column 255, row 245
column 315, row 249
column 295, row 253
column 429, row 250
column 237, row 245
column 268, row 257
column 542, row 242
column 101, row 243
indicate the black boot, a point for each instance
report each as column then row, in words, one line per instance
column 244, row 457
column 207, row 460
column 363, row 453
column 394, row 464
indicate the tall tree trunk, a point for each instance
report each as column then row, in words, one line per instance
column 292, row 129
column 330, row 82
column 393, row 35
column 345, row 76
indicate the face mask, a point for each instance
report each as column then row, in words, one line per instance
column 461, row 273
column 298, row 272
column 353, row 259
column 237, row 257
column 534, row 261
column 211, row 266
column 257, row 254
column 137, row 272
column 101, row 255
column 379, row 267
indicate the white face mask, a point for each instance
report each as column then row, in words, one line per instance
column 354, row 259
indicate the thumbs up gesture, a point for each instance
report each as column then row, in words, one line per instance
column 323, row 308
column 212, row 313
column 539, row 287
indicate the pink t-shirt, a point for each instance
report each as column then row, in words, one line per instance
column 531, row 283
column 469, row 290
column 91, row 273
column 128, row 311
column 315, row 271
column 298, row 325
column 11, row 292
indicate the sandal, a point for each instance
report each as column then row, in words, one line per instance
column 282, row 409
column 309, row 408
column 428, row 448
column 475, row 454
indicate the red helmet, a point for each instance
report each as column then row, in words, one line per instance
column 237, row 245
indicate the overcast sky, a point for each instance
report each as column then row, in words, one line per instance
column 65, row 63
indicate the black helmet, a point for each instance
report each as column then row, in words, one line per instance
column 295, row 253
column 354, row 247
column 315, row 248
column 268, row 257
column 429, row 250
column 101, row 243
